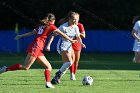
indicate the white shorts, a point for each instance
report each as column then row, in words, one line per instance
column 63, row 45
column 136, row 46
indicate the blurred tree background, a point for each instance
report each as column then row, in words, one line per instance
column 95, row 14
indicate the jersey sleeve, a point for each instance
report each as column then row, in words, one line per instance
column 136, row 26
column 81, row 28
column 60, row 28
column 53, row 27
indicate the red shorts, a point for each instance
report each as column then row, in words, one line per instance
column 76, row 46
column 34, row 50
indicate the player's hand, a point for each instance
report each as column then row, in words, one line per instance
column 83, row 45
column 18, row 37
column 47, row 48
column 138, row 40
column 73, row 41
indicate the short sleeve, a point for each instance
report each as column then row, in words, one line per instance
column 136, row 26
column 53, row 27
column 60, row 28
column 81, row 28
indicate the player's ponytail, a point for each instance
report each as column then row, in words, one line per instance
column 48, row 19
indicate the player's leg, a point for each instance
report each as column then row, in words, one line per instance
column 29, row 60
column 44, row 62
column 27, row 64
column 67, row 59
column 77, row 57
column 74, row 66
column 136, row 59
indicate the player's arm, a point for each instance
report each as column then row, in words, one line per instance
column 47, row 48
column 78, row 35
column 25, row 34
column 64, row 35
column 135, row 35
column 82, row 31
column 134, row 31
column 82, row 35
column 80, row 40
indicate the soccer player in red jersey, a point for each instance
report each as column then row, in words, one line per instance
column 77, row 49
column 35, row 49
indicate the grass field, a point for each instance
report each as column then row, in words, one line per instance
column 112, row 73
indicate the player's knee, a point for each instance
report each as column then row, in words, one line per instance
column 136, row 60
column 50, row 68
column 71, row 63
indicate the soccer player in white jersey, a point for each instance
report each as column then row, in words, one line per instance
column 64, row 47
column 136, row 35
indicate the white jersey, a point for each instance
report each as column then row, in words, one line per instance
column 136, row 46
column 72, row 32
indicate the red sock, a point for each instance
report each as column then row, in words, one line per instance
column 13, row 67
column 47, row 74
column 72, row 68
column 75, row 68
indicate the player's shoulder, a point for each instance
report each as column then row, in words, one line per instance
column 65, row 24
column 52, row 25
column 138, row 21
column 80, row 24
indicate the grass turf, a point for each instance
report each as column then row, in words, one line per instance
column 112, row 73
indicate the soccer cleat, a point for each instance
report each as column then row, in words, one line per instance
column 3, row 69
column 49, row 85
column 72, row 76
column 56, row 79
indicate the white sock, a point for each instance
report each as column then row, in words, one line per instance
column 134, row 60
column 65, row 66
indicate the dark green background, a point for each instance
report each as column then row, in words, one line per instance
column 95, row 14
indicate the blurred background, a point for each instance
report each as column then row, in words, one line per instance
column 108, row 23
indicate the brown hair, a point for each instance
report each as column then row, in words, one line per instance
column 46, row 21
column 70, row 14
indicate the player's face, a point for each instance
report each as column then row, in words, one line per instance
column 74, row 19
column 77, row 20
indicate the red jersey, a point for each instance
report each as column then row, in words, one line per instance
column 77, row 46
column 38, row 44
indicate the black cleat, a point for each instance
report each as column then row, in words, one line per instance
column 56, row 79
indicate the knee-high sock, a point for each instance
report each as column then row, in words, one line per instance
column 65, row 66
column 75, row 68
column 47, row 74
column 72, row 68
column 14, row 67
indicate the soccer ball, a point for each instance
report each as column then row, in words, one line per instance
column 87, row 80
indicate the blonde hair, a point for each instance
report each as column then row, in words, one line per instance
column 70, row 14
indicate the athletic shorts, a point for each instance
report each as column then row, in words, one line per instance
column 34, row 50
column 136, row 46
column 76, row 46
column 63, row 46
